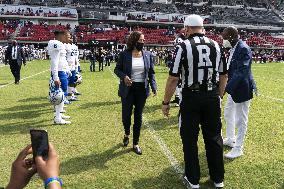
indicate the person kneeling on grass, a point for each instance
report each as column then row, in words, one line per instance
column 24, row 168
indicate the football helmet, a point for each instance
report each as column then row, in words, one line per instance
column 78, row 79
column 56, row 97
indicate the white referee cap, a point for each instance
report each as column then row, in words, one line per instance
column 193, row 20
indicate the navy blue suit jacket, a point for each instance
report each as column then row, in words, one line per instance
column 20, row 55
column 240, row 80
column 124, row 67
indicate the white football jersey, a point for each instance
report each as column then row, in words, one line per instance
column 57, row 52
column 76, row 54
column 71, row 55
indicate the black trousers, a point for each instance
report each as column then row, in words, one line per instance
column 93, row 66
column 101, row 65
column 107, row 62
column 202, row 108
column 16, row 70
column 137, row 98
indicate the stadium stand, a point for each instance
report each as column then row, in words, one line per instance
column 216, row 12
column 42, row 32
column 7, row 28
column 36, row 11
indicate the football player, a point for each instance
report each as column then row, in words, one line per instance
column 72, row 60
column 59, row 68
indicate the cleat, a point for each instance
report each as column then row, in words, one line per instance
column 61, row 122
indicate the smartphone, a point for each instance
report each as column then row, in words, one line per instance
column 39, row 140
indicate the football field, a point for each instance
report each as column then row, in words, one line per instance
column 90, row 149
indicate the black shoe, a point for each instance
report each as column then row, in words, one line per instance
column 137, row 150
column 73, row 98
column 77, row 93
column 125, row 141
column 174, row 101
column 17, row 82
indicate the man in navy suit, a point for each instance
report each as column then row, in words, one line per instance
column 240, row 89
column 15, row 56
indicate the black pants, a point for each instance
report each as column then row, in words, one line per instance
column 107, row 62
column 202, row 108
column 16, row 70
column 101, row 65
column 93, row 66
column 137, row 98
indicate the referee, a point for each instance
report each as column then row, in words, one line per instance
column 203, row 70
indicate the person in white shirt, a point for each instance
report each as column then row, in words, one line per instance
column 135, row 68
column 72, row 50
column 59, row 69
column 78, row 67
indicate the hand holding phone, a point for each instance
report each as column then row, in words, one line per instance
column 50, row 167
column 40, row 145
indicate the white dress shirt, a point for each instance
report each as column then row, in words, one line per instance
column 138, row 70
column 14, row 52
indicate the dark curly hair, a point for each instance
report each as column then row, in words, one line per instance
column 133, row 39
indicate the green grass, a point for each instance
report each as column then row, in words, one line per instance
column 90, row 149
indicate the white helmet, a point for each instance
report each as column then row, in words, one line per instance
column 56, row 97
column 78, row 79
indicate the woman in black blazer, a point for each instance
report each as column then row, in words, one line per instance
column 135, row 68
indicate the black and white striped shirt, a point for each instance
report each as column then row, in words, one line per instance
column 199, row 60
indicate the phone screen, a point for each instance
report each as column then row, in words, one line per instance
column 39, row 140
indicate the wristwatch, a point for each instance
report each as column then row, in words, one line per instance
column 166, row 103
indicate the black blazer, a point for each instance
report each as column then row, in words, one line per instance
column 20, row 55
column 124, row 67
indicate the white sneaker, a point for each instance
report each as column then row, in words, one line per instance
column 229, row 142
column 234, row 153
column 219, row 185
column 61, row 122
column 65, row 116
column 192, row 186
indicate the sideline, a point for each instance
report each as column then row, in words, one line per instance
column 271, row 98
column 2, row 86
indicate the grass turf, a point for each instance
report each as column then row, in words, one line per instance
column 90, row 149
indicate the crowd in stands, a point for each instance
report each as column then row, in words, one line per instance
column 191, row 9
column 86, row 32
column 104, row 5
column 35, row 11
column 244, row 15
column 238, row 15
column 6, row 1
column 7, row 27
column 40, row 32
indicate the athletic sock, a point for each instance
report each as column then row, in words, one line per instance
column 58, row 109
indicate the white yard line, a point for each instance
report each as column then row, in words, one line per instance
column 2, row 86
column 272, row 98
column 173, row 161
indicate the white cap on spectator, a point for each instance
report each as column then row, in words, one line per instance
column 193, row 20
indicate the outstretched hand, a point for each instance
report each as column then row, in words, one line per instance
column 23, row 169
